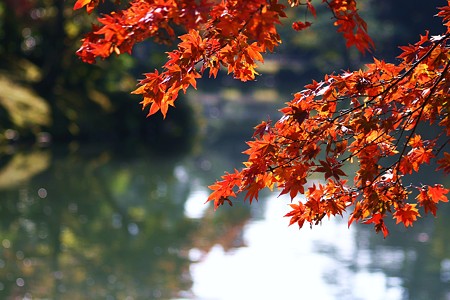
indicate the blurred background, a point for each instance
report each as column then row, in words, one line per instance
column 99, row 202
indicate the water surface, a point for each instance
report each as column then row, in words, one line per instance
column 95, row 223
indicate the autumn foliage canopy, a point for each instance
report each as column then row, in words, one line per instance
column 368, row 118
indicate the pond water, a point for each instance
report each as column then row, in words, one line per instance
column 93, row 223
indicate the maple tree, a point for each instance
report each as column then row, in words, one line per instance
column 369, row 118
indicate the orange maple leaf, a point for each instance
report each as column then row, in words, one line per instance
column 90, row 5
column 253, row 192
column 297, row 214
column 407, row 214
column 424, row 200
column 80, row 4
column 437, row 193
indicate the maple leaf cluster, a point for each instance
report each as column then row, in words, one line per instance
column 229, row 34
column 369, row 118
column 366, row 117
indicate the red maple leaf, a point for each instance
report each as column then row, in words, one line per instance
column 444, row 163
column 297, row 26
column 377, row 219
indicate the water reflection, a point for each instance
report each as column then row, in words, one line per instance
column 280, row 263
column 95, row 224
column 327, row 262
